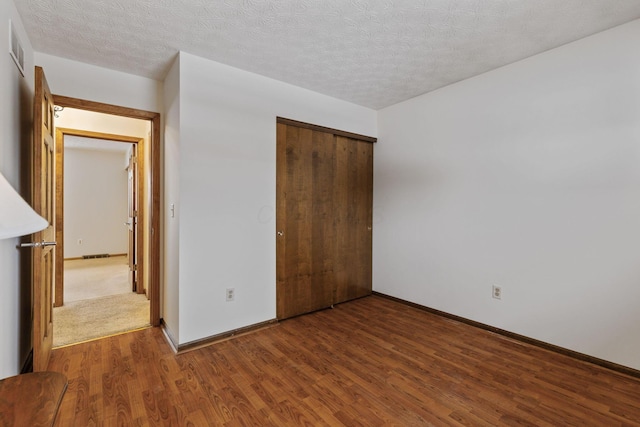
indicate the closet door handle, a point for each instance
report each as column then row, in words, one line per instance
column 280, row 233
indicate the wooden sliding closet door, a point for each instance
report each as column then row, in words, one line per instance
column 353, row 206
column 323, row 219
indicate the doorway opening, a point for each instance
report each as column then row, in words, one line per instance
column 102, row 291
column 118, row 253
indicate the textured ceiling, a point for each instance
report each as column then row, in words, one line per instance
column 371, row 52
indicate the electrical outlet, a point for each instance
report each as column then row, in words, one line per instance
column 497, row 292
column 231, row 293
column 79, row 241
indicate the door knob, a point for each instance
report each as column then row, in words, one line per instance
column 37, row 244
column 280, row 233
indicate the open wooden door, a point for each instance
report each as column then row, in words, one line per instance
column 132, row 220
column 43, row 175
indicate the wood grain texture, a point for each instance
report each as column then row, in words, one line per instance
column 100, row 107
column 332, row 131
column 305, row 216
column 528, row 340
column 353, row 190
column 323, row 219
column 43, row 198
column 153, row 207
column 58, row 294
column 31, row 399
column 368, row 362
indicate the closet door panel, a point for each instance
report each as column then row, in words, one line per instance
column 364, row 215
column 281, row 219
column 324, row 197
column 354, row 197
column 323, row 233
column 304, row 275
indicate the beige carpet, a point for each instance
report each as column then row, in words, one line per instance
column 98, row 301
column 98, row 277
column 79, row 321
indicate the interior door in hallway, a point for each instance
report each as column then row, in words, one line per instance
column 132, row 219
column 43, row 173
column 324, row 198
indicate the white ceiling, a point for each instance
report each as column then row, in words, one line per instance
column 371, row 52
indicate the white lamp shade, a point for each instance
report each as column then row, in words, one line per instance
column 16, row 216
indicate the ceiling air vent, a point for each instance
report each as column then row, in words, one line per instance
column 15, row 48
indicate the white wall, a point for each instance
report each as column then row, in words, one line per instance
column 72, row 118
column 227, row 147
column 95, row 202
column 171, row 291
column 84, row 81
column 527, row 177
column 16, row 111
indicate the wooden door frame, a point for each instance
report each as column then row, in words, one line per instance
column 135, row 214
column 152, row 204
column 61, row 133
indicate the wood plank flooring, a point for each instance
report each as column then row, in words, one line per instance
column 368, row 362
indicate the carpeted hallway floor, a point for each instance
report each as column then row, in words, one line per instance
column 98, row 302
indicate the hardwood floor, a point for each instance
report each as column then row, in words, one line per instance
column 368, row 362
